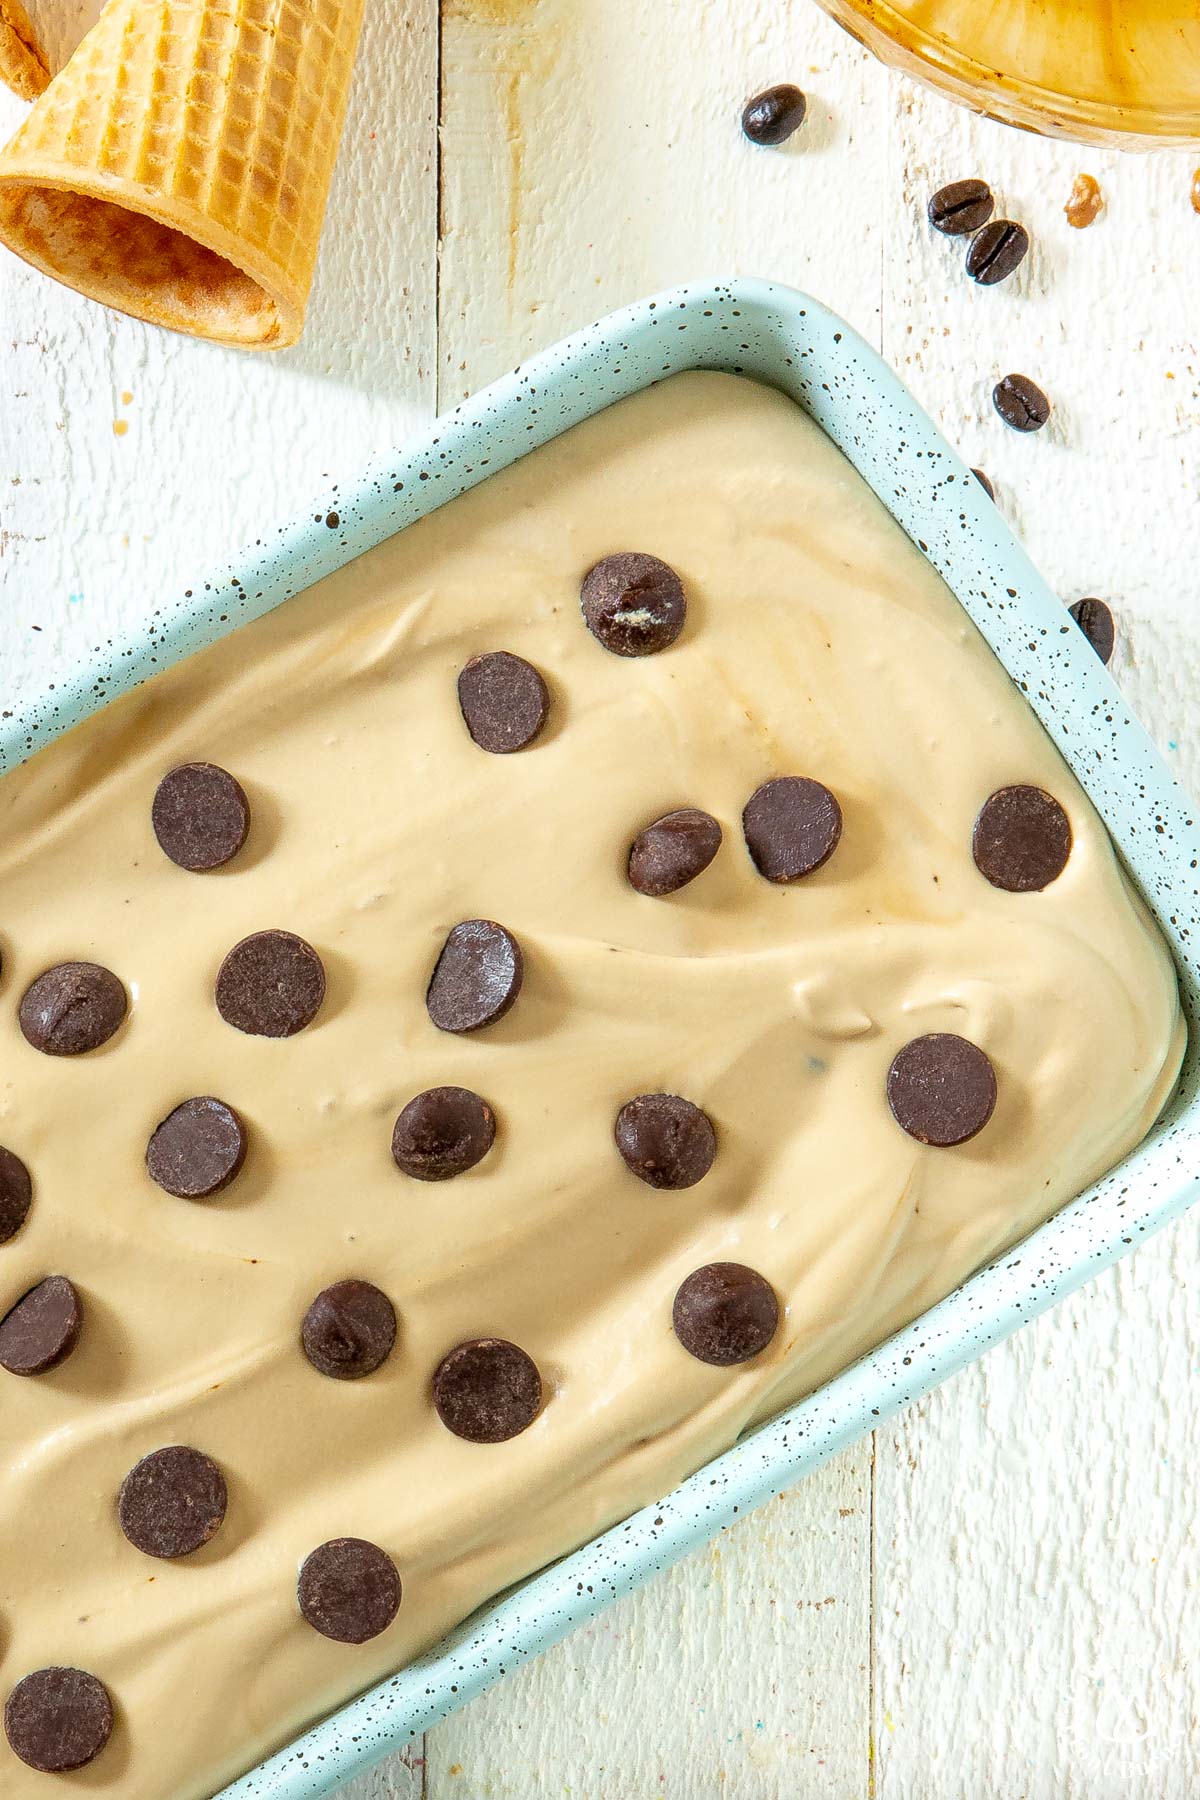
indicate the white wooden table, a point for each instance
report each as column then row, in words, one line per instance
column 995, row 1599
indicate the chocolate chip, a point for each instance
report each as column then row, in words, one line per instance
column 349, row 1330
column 725, row 1313
column 504, row 701
column 792, row 825
column 1094, row 618
column 198, row 1148
column 667, row 1141
column 58, row 1719
column 633, row 604
column 476, row 978
column 960, row 207
column 772, row 116
column 72, row 1008
column 487, row 1390
column 271, row 985
column 996, row 251
column 16, row 1194
column 673, row 851
column 1021, row 403
column 941, row 1089
column 1022, row 839
column 349, row 1590
column 985, row 483
column 172, row 1502
column 443, row 1132
column 42, row 1329
column 200, row 816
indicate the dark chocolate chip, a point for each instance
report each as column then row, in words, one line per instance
column 58, row 1719
column 198, row 1148
column 941, row 1089
column 960, row 207
column 271, row 985
column 504, row 701
column 667, row 1141
column 172, row 1502
column 443, row 1132
column 349, row 1590
column 772, row 116
column 725, row 1313
column 72, row 1008
column 673, row 851
column 487, row 1390
column 200, row 816
column 1022, row 839
column 42, row 1329
column 985, row 483
column 996, row 251
column 633, row 604
column 1021, row 403
column 476, row 977
column 16, row 1194
column 1094, row 618
column 349, row 1330
column 792, row 826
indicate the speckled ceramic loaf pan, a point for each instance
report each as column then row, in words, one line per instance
column 795, row 344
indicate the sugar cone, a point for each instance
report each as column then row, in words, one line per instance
column 22, row 65
column 178, row 167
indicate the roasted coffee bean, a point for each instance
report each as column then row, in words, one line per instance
column 792, row 826
column 172, row 1502
column 42, row 1329
column 725, row 1313
column 72, row 1008
column 667, row 1141
column 200, row 815
column 941, row 1089
column 673, row 851
column 487, row 1390
column 442, row 1133
column 996, row 251
column 476, row 977
column 58, row 1719
column 270, row 985
column 633, row 604
column 1022, row 839
column 1021, row 403
column 16, row 1194
column 985, row 483
column 198, row 1149
column 771, row 117
column 349, row 1590
column 1094, row 618
column 349, row 1330
column 503, row 700
column 960, row 207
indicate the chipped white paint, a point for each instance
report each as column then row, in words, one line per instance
column 1033, row 1566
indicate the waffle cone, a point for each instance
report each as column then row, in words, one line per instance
column 179, row 165
column 22, row 65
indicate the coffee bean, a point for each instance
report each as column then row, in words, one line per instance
column 1021, row 403
column 667, row 1141
column 58, row 1719
column 72, row 1008
column 503, row 700
column 792, row 826
column 1094, row 618
column 633, row 604
column 270, row 985
column 725, row 1313
column 442, row 1133
column 349, row 1590
column 487, row 1390
column 198, row 1148
column 200, row 816
column 985, row 483
column 42, row 1329
column 1022, row 839
column 960, row 207
column 673, row 851
column 476, row 978
column 349, row 1330
column 941, row 1089
column 771, row 117
column 997, row 251
column 16, row 1194
column 172, row 1502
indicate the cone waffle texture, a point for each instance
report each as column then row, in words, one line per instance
column 179, row 165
